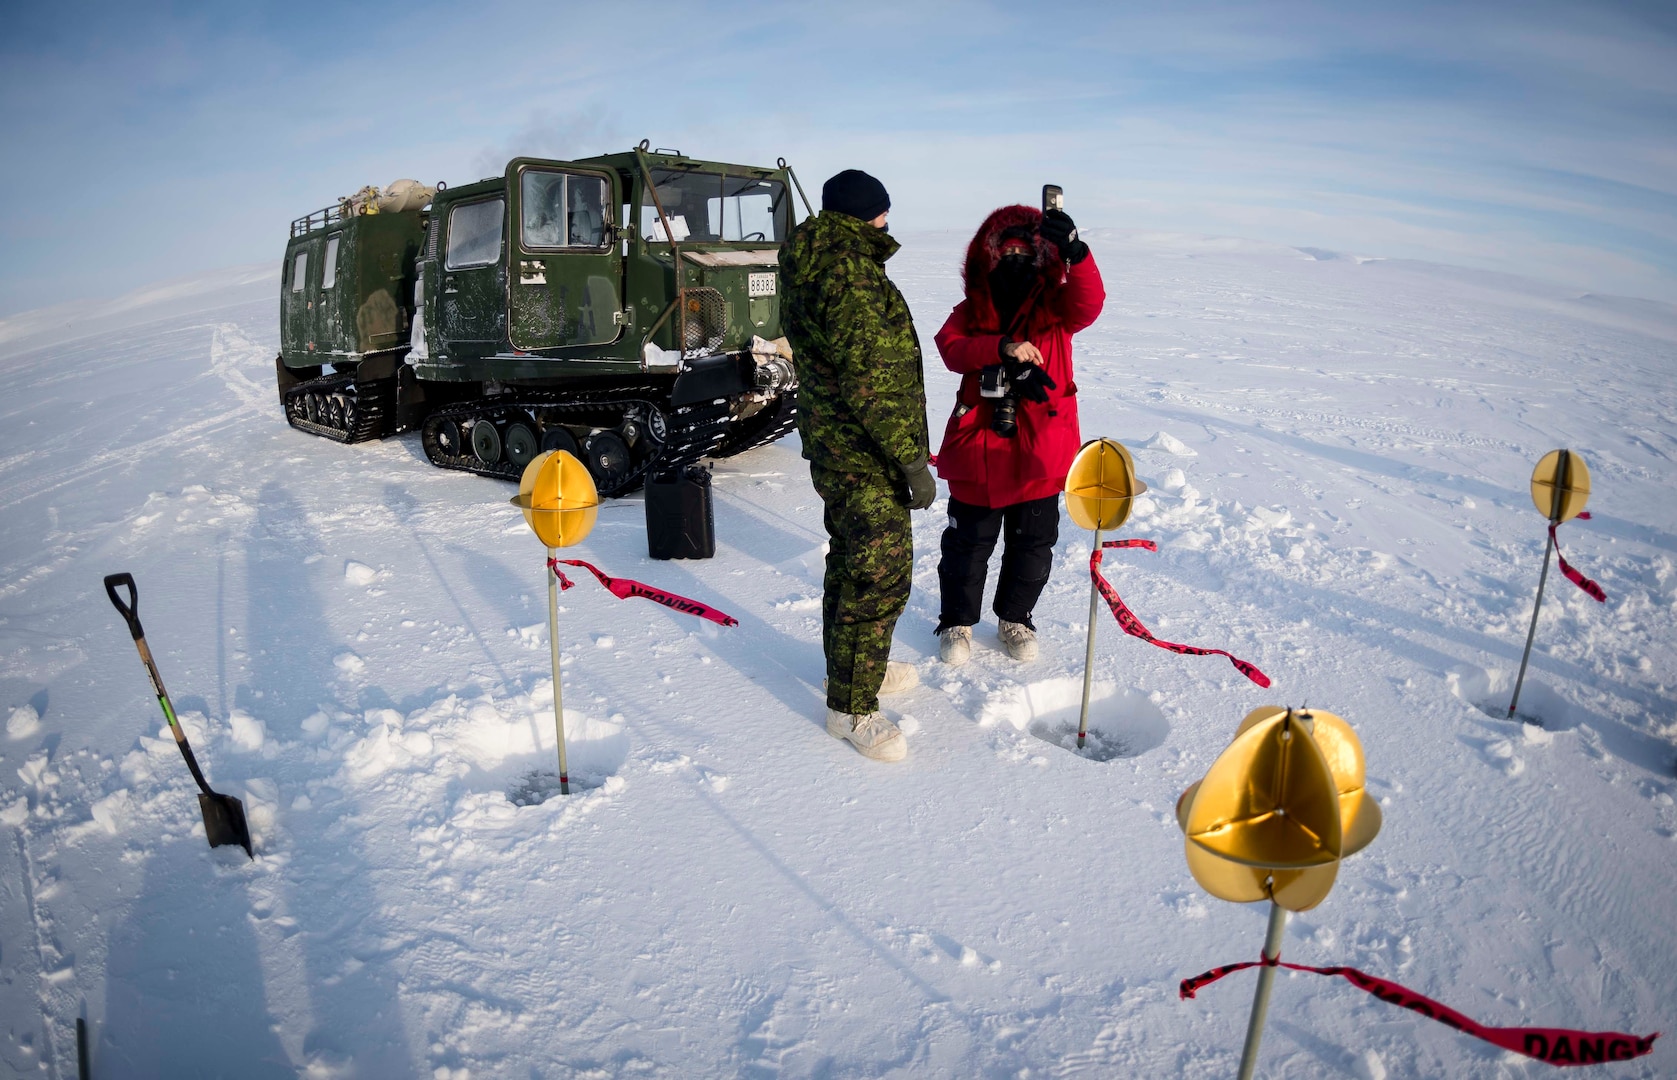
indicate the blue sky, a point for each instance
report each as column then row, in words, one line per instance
column 159, row 140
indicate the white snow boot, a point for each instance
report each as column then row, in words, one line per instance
column 899, row 676
column 954, row 645
column 1019, row 640
column 872, row 735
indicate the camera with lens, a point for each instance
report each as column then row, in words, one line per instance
column 1004, row 384
column 995, row 386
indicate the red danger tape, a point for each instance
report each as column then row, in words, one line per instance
column 1572, row 574
column 1557, row 1046
column 624, row 588
column 1132, row 625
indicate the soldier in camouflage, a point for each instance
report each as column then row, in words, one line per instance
column 862, row 418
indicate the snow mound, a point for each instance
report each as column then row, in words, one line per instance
column 1165, row 442
column 23, row 722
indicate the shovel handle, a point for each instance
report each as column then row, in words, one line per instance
column 131, row 610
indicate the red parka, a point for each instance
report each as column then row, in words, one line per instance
column 981, row 467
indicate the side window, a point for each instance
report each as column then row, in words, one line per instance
column 586, row 216
column 563, row 210
column 543, row 198
column 474, row 233
column 299, row 271
column 329, row 268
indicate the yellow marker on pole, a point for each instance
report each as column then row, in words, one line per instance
column 1100, row 492
column 1560, row 487
column 1273, row 817
column 560, row 504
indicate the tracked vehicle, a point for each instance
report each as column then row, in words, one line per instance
column 624, row 307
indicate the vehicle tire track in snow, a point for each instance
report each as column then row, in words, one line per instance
column 230, row 352
column 230, row 349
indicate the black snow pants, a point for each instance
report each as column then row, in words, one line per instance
column 1032, row 528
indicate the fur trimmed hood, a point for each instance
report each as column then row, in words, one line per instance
column 985, row 251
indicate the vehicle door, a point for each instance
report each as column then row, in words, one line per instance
column 567, row 284
column 328, row 304
column 300, row 294
column 472, row 295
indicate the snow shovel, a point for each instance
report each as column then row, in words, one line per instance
column 224, row 816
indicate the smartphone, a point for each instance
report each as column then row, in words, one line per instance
column 1053, row 198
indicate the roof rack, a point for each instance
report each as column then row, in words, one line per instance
column 320, row 219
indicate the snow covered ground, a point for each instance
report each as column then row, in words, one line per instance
column 1338, row 451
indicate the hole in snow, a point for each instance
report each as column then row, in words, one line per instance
column 595, row 750
column 540, row 785
column 1490, row 692
column 1121, row 725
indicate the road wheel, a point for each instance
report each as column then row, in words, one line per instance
column 558, row 438
column 448, row 437
column 608, row 459
column 486, row 442
column 521, row 444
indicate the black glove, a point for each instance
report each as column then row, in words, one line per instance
column 1029, row 381
column 1059, row 230
column 922, row 488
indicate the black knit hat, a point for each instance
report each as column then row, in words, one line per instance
column 856, row 193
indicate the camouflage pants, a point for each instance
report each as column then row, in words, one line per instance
column 870, row 565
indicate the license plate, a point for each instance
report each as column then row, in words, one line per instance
column 759, row 285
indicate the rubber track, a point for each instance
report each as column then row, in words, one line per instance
column 782, row 420
column 371, row 404
column 691, row 431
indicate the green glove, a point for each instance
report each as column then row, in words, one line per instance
column 922, row 488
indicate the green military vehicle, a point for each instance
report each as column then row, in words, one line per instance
column 624, row 307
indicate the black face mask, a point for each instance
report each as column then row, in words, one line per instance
column 1010, row 282
column 1011, row 278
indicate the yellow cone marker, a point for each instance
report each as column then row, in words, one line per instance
column 1269, row 800
column 1273, row 817
column 1560, row 487
column 1100, row 492
column 560, row 504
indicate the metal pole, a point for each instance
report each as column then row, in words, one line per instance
column 1089, row 651
column 553, row 647
column 1563, row 479
column 1542, row 580
column 1260, row 1000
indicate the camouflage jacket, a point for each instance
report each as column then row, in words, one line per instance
column 861, row 388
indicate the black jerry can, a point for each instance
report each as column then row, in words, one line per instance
column 680, row 522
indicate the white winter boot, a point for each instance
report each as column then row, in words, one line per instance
column 1018, row 639
column 899, row 676
column 954, row 645
column 872, row 735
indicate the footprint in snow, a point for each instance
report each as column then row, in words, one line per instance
column 1498, row 754
column 1121, row 725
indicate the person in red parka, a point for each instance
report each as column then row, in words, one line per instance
column 1030, row 285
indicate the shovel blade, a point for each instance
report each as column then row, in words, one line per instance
column 224, row 821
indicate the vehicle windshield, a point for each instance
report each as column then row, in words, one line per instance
column 707, row 208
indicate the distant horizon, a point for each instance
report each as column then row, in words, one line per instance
column 176, row 294
column 1533, row 138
